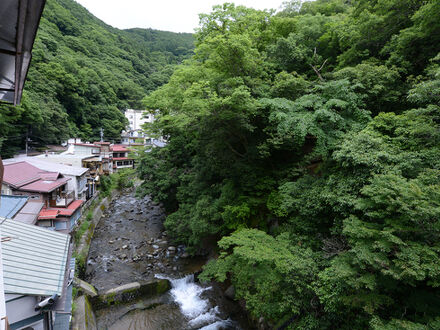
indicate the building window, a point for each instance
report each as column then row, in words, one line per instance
column 45, row 223
column 119, row 163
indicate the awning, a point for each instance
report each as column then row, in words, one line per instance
column 19, row 20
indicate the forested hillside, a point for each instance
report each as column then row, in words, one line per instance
column 307, row 143
column 83, row 73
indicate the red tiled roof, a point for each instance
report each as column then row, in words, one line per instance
column 53, row 212
column 44, row 186
column 49, row 176
column 68, row 211
column 21, row 173
column 24, row 176
column 103, row 143
column 48, row 214
column 86, row 145
column 119, row 148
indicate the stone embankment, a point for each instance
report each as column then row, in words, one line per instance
column 91, row 302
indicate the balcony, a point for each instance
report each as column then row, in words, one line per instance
column 63, row 199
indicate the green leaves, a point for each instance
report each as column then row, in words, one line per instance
column 265, row 269
column 291, row 143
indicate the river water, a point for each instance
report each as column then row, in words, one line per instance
column 130, row 245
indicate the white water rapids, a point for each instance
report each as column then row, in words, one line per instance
column 197, row 310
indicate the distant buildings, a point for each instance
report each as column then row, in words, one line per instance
column 134, row 135
column 121, row 158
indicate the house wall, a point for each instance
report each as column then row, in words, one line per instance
column 33, row 196
column 20, row 308
column 6, row 190
column 87, row 151
column 136, row 120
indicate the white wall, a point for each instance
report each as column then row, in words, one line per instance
column 136, row 119
column 19, row 307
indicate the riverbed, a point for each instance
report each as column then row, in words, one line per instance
column 130, row 245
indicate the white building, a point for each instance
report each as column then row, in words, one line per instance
column 137, row 118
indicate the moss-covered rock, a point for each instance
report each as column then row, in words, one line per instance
column 130, row 292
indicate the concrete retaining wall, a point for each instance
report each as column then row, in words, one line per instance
column 130, row 292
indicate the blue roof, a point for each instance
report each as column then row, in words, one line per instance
column 11, row 205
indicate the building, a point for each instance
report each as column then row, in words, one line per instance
column 133, row 137
column 20, row 209
column 120, row 157
column 60, row 208
column 137, row 118
column 36, row 274
column 134, row 134
column 78, row 176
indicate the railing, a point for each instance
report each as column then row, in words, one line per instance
column 63, row 199
column 4, row 323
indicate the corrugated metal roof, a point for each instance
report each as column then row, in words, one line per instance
column 34, row 260
column 11, row 205
column 42, row 163
column 29, row 213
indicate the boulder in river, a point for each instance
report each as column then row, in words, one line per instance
column 230, row 292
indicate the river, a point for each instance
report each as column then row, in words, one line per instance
column 130, row 245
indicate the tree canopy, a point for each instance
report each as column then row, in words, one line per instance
column 306, row 143
column 84, row 73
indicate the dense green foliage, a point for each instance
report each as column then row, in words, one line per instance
column 307, row 144
column 83, row 74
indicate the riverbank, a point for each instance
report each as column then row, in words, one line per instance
column 128, row 244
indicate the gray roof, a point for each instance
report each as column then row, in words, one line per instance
column 34, row 259
column 19, row 23
column 50, row 166
column 11, row 205
column 29, row 213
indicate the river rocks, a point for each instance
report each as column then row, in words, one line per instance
column 172, row 249
column 150, row 256
column 123, row 256
column 156, row 247
column 136, row 258
column 162, row 243
column 111, row 242
column 124, row 246
column 185, row 255
column 230, row 292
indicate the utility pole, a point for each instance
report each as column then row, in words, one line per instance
column 27, row 137
column 102, row 134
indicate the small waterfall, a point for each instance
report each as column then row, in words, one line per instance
column 197, row 310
